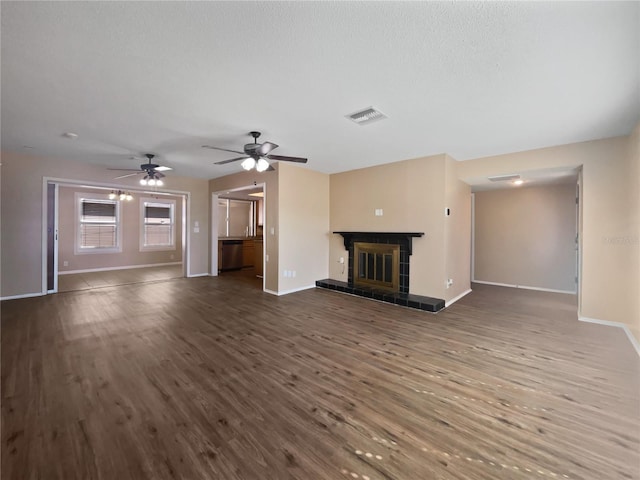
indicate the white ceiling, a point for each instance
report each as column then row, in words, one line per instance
column 468, row 79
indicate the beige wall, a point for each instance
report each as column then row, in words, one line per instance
column 632, row 244
column 304, row 227
column 609, row 289
column 270, row 179
column 411, row 194
column 22, row 214
column 131, row 230
column 526, row 237
column 457, row 234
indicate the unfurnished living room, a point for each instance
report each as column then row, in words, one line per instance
column 320, row 240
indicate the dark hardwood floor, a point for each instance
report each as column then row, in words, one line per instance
column 111, row 278
column 208, row 378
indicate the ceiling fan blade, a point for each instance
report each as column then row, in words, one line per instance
column 266, row 147
column 125, row 169
column 230, row 160
column 223, row 149
column 287, row 159
column 128, row 175
column 159, row 175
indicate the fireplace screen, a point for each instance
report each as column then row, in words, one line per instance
column 376, row 265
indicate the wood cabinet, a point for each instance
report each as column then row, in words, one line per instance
column 248, row 247
column 258, row 247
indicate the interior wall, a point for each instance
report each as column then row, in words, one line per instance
column 271, row 229
column 411, row 194
column 609, row 285
column 304, row 227
column 131, row 229
column 632, row 243
column 457, row 237
column 22, row 215
column 525, row 236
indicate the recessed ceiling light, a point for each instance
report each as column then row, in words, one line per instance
column 70, row 135
column 29, row 147
column 504, row 178
column 518, row 182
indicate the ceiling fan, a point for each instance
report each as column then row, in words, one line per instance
column 151, row 171
column 255, row 155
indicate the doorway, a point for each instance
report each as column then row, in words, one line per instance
column 238, row 222
column 528, row 235
column 98, row 235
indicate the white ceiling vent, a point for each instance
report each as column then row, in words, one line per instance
column 368, row 115
column 504, row 178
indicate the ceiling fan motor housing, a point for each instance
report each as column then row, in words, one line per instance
column 252, row 148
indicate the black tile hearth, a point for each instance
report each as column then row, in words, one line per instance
column 409, row 300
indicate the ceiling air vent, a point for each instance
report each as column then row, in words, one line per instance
column 368, row 115
column 504, row 178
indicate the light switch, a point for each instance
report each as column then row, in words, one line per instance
column 196, row 229
column 378, row 212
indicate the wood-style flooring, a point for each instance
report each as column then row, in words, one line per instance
column 208, row 378
column 111, row 278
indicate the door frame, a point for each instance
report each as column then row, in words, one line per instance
column 214, row 227
column 58, row 182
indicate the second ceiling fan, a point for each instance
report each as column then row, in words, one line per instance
column 255, row 155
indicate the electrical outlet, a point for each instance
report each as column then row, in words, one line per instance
column 341, row 261
column 449, row 282
column 65, row 263
column 379, row 212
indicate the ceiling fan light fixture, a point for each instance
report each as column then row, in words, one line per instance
column 159, row 183
column 248, row 163
column 262, row 165
column 143, row 181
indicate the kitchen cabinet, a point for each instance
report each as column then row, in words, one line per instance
column 248, row 253
column 257, row 263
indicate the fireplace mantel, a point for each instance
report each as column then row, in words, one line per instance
column 400, row 237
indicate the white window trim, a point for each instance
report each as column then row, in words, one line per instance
column 77, row 248
column 157, row 248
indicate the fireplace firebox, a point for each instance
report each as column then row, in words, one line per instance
column 376, row 265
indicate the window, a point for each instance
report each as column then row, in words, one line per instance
column 158, row 229
column 98, row 228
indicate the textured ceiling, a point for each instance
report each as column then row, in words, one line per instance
column 468, row 79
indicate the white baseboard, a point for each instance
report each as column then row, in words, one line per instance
column 293, row 290
column 608, row 323
column 127, row 267
column 525, row 287
column 455, row 299
column 24, row 295
column 200, row 275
